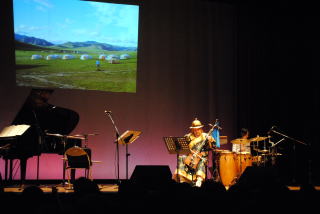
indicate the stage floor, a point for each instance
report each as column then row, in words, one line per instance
column 104, row 188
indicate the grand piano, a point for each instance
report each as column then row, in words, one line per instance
column 47, row 124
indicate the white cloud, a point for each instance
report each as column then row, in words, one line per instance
column 44, row 3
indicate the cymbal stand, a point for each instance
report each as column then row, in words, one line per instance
column 64, row 160
column 85, row 140
column 274, row 150
column 273, row 153
column 265, row 153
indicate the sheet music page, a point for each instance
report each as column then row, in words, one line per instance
column 14, row 130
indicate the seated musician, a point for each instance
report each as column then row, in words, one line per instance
column 245, row 146
column 192, row 167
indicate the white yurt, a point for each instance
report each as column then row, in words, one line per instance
column 36, row 56
column 113, row 57
column 124, row 56
column 67, row 56
column 57, row 56
column 102, row 56
column 51, row 57
column 85, row 57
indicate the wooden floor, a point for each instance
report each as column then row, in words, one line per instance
column 108, row 188
column 105, row 188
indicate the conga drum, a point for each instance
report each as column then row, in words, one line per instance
column 227, row 167
column 243, row 160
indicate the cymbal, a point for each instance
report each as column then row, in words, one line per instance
column 84, row 135
column 56, row 135
column 263, row 150
column 65, row 136
column 256, row 139
column 240, row 141
column 75, row 137
column 272, row 154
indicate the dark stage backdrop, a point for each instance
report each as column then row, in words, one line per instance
column 277, row 81
column 249, row 65
column 186, row 70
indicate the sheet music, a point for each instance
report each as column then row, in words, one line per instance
column 14, row 130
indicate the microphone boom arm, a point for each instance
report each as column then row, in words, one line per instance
column 114, row 125
column 285, row 136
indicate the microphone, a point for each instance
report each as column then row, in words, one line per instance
column 107, row 112
column 271, row 129
column 51, row 107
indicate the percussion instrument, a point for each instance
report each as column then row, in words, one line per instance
column 243, row 160
column 240, row 141
column 227, row 167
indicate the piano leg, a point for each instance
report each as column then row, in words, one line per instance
column 6, row 169
column 10, row 169
column 73, row 175
column 23, row 170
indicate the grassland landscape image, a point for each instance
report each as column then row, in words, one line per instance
column 92, row 46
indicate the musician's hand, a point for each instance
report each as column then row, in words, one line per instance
column 211, row 139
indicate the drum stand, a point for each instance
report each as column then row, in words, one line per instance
column 215, row 172
column 240, row 164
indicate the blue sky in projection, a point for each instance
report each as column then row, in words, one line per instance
column 60, row 21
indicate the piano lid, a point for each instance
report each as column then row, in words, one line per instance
column 36, row 111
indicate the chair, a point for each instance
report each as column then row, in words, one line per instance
column 78, row 158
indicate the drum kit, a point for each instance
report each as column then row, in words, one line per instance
column 231, row 164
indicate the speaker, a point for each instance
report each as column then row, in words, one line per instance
column 258, row 175
column 151, row 175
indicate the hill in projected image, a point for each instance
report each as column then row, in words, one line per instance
column 76, row 45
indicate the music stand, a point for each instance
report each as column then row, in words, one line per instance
column 177, row 145
column 14, row 130
column 126, row 138
column 12, row 133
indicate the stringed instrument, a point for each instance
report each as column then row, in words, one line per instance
column 193, row 159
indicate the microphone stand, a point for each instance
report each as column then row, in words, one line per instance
column 117, row 143
column 294, row 152
column 285, row 136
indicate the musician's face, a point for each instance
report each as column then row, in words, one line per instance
column 246, row 135
column 197, row 132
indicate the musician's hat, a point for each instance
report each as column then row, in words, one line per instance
column 196, row 124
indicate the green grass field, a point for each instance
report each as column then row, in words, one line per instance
column 76, row 73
